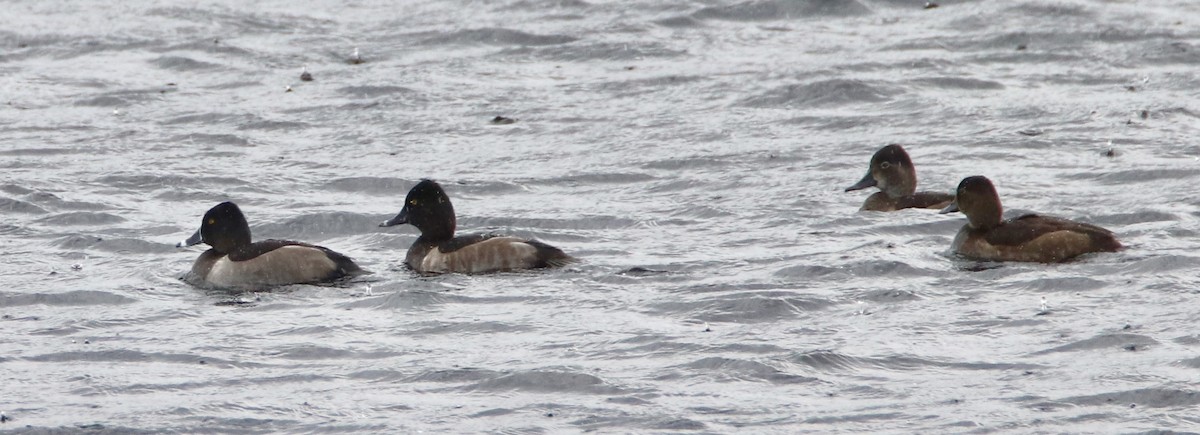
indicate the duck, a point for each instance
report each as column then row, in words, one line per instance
column 892, row 171
column 437, row 250
column 1030, row 238
column 233, row 261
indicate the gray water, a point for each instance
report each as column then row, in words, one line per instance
column 692, row 153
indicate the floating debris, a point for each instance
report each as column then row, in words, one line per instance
column 501, row 120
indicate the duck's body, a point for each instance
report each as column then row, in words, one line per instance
column 482, row 253
column 880, row 201
column 437, row 250
column 1030, row 237
column 892, row 171
column 235, row 262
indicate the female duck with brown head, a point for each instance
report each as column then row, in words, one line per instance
column 1027, row 238
column 437, row 250
column 892, row 171
column 234, row 261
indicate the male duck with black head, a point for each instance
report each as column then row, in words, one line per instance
column 437, row 250
column 892, row 171
column 1027, row 238
column 236, row 262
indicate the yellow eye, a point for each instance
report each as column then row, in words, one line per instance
column 212, row 221
column 412, row 202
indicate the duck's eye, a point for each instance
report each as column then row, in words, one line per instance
column 412, row 202
column 885, row 165
column 212, row 221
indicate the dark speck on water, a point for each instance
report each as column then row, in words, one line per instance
column 691, row 153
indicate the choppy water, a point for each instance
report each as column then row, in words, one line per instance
column 693, row 153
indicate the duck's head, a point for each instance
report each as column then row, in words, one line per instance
column 428, row 208
column 224, row 228
column 976, row 197
column 892, row 171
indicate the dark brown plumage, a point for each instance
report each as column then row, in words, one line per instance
column 1031, row 237
column 892, row 171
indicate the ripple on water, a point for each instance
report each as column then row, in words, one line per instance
column 825, row 93
column 472, row 327
column 1148, row 397
column 81, row 218
column 17, row 206
column 368, row 91
column 1070, row 284
column 68, row 298
column 123, row 98
column 745, row 307
column 320, row 225
column 115, row 244
column 1132, row 176
column 181, row 63
column 387, row 186
column 732, row 369
column 312, row 352
column 1157, row 264
column 151, row 182
column 545, row 381
column 832, row 361
column 123, row 356
column 761, row 10
column 496, row 36
column 588, row 51
column 958, row 83
column 211, row 139
column 1105, row 341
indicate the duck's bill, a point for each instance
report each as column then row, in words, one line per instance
column 867, row 181
column 953, row 207
column 400, row 219
column 195, row 239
